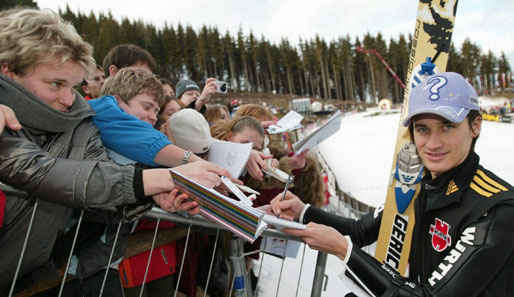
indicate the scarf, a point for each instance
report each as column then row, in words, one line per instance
column 37, row 116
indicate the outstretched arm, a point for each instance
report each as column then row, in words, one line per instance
column 478, row 264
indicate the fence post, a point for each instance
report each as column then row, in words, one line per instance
column 319, row 274
column 242, row 286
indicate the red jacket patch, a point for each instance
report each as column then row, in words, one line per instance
column 440, row 235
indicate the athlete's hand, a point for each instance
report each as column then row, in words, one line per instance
column 322, row 238
column 290, row 208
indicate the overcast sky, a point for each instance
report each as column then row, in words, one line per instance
column 489, row 23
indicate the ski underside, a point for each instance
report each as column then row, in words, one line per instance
column 430, row 45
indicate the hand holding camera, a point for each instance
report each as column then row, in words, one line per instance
column 221, row 86
column 212, row 86
column 208, row 90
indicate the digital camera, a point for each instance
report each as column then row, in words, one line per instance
column 221, row 86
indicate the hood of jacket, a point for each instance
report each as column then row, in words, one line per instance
column 37, row 116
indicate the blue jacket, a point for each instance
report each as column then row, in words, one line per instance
column 126, row 134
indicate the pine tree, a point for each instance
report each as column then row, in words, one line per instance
column 202, row 53
column 108, row 36
column 252, row 62
column 360, row 72
column 470, row 59
column 503, row 69
column 314, row 68
column 241, row 46
column 503, row 64
column 454, row 60
column 229, row 50
column 215, row 47
column 6, row 4
column 190, row 54
column 487, row 69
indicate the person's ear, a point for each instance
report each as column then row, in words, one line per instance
column 476, row 126
column 123, row 105
column 113, row 70
column 4, row 69
column 118, row 100
column 85, row 88
column 229, row 135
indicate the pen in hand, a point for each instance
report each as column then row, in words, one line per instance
column 286, row 187
column 289, row 178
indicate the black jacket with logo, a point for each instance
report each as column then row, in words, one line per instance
column 462, row 244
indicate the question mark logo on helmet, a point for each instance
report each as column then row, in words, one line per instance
column 437, row 83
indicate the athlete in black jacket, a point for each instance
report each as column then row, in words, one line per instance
column 462, row 242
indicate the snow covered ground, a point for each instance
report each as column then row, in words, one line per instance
column 360, row 155
column 486, row 101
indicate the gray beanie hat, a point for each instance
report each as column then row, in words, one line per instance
column 186, row 85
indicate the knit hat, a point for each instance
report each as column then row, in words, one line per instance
column 186, row 85
column 445, row 94
column 190, row 131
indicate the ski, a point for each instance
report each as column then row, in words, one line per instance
column 429, row 53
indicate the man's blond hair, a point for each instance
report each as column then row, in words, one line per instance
column 128, row 83
column 31, row 37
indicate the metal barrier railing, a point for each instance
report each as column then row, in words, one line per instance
column 240, row 285
column 345, row 205
column 240, row 282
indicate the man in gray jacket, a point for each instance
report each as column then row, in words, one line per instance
column 57, row 162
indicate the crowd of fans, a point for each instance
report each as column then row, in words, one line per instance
column 77, row 176
column 102, row 159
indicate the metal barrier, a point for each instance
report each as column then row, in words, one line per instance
column 344, row 205
column 240, row 285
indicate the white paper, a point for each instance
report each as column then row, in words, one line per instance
column 230, row 155
column 247, row 189
column 276, row 173
column 276, row 246
column 235, row 190
column 279, row 223
column 291, row 121
column 316, row 137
